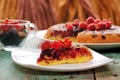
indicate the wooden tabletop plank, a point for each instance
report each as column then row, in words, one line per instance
column 11, row 71
column 110, row 71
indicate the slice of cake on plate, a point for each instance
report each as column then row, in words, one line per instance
column 62, row 52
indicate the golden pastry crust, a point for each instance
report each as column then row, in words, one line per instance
column 103, row 36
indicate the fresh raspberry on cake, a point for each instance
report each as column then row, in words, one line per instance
column 108, row 24
column 97, row 20
column 90, row 20
column 45, row 45
column 69, row 26
column 91, row 26
column 76, row 22
column 83, row 25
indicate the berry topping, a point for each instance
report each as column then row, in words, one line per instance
column 91, row 26
column 98, row 28
column 6, row 24
column 108, row 24
column 83, row 25
column 6, row 21
column 76, row 22
column 69, row 26
column 102, row 25
column 57, row 45
column 97, row 21
column 45, row 45
column 67, row 43
column 90, row 20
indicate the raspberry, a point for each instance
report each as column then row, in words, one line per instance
column 102, row 25
column 45, row 45
column 67, row 43
column 82, row 25
column 56, row 45
column 69, row 26
column 108, row 24
column 91, row 26
column 90, row 20
column 76, row 22
column 61, row 43
column 98, row 28
column 97, row 21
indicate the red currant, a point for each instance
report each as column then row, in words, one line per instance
column 56, row 45
column 67, row 43
column 45, row 45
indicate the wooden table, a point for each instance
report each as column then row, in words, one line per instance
column 11, row 71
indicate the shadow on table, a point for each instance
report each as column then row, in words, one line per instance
column 117, row 50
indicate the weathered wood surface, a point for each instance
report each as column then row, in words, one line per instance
column 11, row 71
column 110, row 71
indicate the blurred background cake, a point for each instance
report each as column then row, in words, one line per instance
column 89, row 31
column 63, row 30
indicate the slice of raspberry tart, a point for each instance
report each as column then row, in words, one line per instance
column 62, row 52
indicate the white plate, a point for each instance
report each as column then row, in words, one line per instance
column 96, row 46
column 28, row 58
